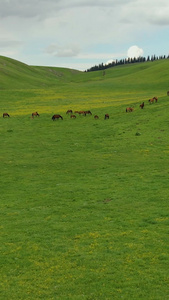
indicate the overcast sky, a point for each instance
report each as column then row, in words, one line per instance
column 79, row 34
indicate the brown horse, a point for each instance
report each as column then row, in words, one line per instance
column 82, row 112
column 129, row 109
column 35, row 114
column 96, row 117
column 69, row 111
column 168, row 93
column 57, row 117
column 142, row 105
column 106, row 116
column 73, row 117
column 6, row 115
column 151, row 100
column 88, row 112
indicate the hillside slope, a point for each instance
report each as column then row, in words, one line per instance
column 17, row 75
column 139, row 76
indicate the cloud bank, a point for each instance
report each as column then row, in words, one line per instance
column 71, row 32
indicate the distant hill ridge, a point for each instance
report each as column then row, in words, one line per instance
column 17, row 75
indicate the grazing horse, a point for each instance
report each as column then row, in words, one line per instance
column 73, row 117
column 35, row 114
column 106, row 116
column 88, row 112
column 142, row 105
column 57, row 117
column 168, row 93
column 151, row 100
column 69, row 111
column 82, row 112
column 6, row 115
column 96, row 117
column 129, row 109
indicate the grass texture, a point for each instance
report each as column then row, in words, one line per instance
column 84, row 202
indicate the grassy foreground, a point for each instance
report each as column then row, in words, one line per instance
column 84, row 202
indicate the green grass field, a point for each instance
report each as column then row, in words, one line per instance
column 84, row 202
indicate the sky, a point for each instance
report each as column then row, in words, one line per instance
column 79, row 34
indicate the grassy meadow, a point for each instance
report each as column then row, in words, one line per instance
column 84, row 202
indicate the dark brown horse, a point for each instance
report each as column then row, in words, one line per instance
column 69, row 111
column 57, row 117
column 129, row 109
column 73, row 117
column 88, row 112
column 168, row 93
column 35, row 114
column 142, row 105
column 6, row 115
column 106, row 116
column 96, row 117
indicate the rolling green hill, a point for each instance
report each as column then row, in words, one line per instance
column 50, row 89
column 83, row 202
column 17, row 75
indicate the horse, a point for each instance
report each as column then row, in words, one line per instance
column 57, row 117
column 129, row 109
column 69, row 111
column 155, row 98
column 82, row 112
column 88, row 112
column 142, row 105
column 96, row 117
column 73, row 117
column 6, row 115
column 151, row 100
column 106, row 116
column 35, row 114
column 168, row 93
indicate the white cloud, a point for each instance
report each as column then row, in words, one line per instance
column 37, row 8
column 110, row 61
column 60, row 51
column 9, row 43
column 134, row 51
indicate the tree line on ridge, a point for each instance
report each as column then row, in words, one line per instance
column 125, row 61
